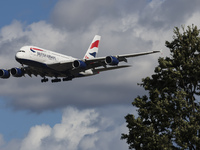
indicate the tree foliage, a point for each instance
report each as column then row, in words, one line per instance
column 169, row 116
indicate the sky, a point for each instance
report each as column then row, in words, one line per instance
column 85, row 113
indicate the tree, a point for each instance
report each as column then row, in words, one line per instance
column 169, row 116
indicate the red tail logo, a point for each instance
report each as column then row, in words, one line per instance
column 95, row 44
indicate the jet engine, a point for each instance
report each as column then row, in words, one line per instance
column 17, row 72
column 4, row 74
column 111, row 60
column 79, row 64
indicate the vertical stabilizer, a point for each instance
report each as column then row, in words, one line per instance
column 93, row 48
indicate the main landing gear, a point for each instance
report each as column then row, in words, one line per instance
column 57, row 79
column 44, row 80
column 53, row 80
column 68, row 78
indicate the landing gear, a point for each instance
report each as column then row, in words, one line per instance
column 55, row 80
column 44, row 80
column 69, row 78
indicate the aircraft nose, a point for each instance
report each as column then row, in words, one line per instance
column 19, row 56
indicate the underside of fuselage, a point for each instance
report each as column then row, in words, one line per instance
column 36, row 68
column 31, row 63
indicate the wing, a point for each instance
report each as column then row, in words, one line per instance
column 77, row 66
column 121, row 57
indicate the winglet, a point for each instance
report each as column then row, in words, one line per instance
column 93, row 48
column 158, row 51
column 161, row 51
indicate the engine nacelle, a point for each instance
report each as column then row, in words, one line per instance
column 79, row 64
column 111, row 60
column 17, row 72
column 4, row 74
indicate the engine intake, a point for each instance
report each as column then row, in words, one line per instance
column 17, row 72
column 4, row 74
column 79, row 64
column 111, row 60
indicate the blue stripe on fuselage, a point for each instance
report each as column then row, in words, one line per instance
column 32, row 50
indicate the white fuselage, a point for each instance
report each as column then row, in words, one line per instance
column 31, row 54
column 39, row 57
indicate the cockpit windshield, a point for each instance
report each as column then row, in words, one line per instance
column 21, row 51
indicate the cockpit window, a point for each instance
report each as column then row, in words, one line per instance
column 21, row 51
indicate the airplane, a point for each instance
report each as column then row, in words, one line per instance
column 38, row 61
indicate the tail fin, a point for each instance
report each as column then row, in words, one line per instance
column 93, row 48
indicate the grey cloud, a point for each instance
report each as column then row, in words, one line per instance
column 156, row 14
column 167, row 14
column 79, row 15
column 83, row 93
column 75, row 15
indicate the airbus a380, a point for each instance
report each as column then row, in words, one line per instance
column 39, row 61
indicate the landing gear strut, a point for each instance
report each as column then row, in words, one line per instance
column 44, row 80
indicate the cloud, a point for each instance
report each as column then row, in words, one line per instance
column 35, row 136
column 73, row 15
column 155, row 14
column 78, row 130
column 74, row 126
column 2, row 142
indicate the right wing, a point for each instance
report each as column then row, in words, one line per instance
column 118, row 57
column 93, row 63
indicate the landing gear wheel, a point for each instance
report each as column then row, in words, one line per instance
column 44, row 80
column 55, row 80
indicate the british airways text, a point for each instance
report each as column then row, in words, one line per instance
column 40, row 54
